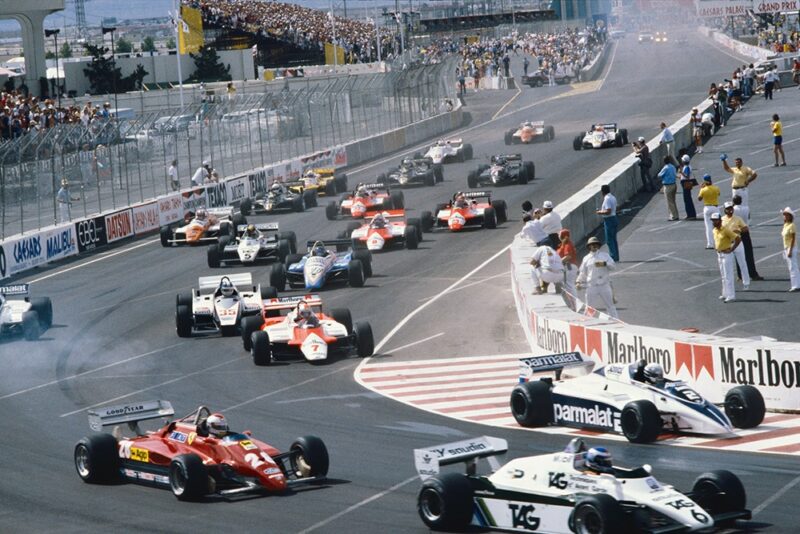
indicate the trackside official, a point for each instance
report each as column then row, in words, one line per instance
column 709, row 196
column 594, row 275
column 547, row 269
column 789, row 236
column 725, row 241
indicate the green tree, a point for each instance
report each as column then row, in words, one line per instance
column 148, row 45
column 123, row 46
column 103, row 74
column 49, row 55
column 208, row 67
column 170, row 43
column 66, row 50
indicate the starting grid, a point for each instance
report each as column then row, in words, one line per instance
column 477, row 389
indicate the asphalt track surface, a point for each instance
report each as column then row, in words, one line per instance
column 114, row 341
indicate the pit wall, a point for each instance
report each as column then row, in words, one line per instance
column 710, row 364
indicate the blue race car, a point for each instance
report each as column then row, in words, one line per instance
column 325, row 262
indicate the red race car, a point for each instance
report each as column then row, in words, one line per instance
column 384, row 230
column 466, row 210
column 304, row 331
column 194, row 456
column 365, row 200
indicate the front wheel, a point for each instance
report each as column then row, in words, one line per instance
column 332, row 211
column 188, row 478
column 744, row 406
column 365, row 343
column 719, row 492
column 598, row 514
column 426, row 220
column 250, row 324
column 444, row 502
column 310, row 458
column 355, row 273
column 277, row 276
column 397, row 200
column 412, row 238
column 260, row 348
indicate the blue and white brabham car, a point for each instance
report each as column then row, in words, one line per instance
column 616, row 398
column 325, row 262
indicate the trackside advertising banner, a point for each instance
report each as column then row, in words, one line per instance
column 170, row 209
column 711, row 364
column 119, row 225
column 145, row 218
column 723, row 8
column 91, row 233
column 782, row 6
column 32, row 250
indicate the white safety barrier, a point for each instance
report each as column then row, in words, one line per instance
column 711, row 364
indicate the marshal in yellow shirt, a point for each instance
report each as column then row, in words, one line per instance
column 709, row 194
column 788, row 234
column 777, row 128
column 734, row 222
column 724, row 238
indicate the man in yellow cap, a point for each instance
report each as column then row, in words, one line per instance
column 725, row 241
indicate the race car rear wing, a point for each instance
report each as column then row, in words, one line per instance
column 263, row 227
column 552, row 362
column 221, row 212
column 329, row 243
column 379, row 185
column 15, row 290
column 388, row 214
column 607, row 126
column 287, row 303
column 428, row 460
column 239, row 280
column 512, row 157
column 478, row 194
column 129, row 413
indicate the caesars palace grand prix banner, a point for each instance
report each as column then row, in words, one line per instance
column 731, row 8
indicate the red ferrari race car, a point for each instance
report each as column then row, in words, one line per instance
column 304, row 331
column 466, row 210
column 365, row 200
column 384, row 230
column 530, row 132
column 194, row 456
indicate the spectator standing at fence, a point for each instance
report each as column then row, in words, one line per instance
column 709, row 196
column 65, row 200
column 642, row 152
column 610, row 222
column 667, row 139
column 739, row 227
column 688, row 182
column 668, row 175
column 743, row 176
column 789, row 236
column 551, row 223
column 201, row 174
column 230, row 91
column 725, row 241
column 172, row 173
column 594, row 275
column 777, row 139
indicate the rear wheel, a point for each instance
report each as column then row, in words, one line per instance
column 509, row 137
column 472, row 179
column 291, row 260
column 330, row 188
column 598, row 514
column 744, row 406
column 341, row 183
column 530, row 170
column 501, row 210
column 489, row 218
column 343, row 317
column 467, row 148
column 532, row 403
column 355, row 273
column 365, row 343
column 310, row 458
column 246, row 206
column 213, row 256
column 641, row 422
column 624, row 133
column 31, row 328
column 97, row 458
column 332, row 211
column 577, row 143
column 412, row 238
column 426, row 220
column 183, row 321
column 430, row 178
column 298, row 204
column 277, row 276
column 166, row 235
column 249, row 325
column 397, row 200
column 238, row 219
column 310, row 198
column 183, row 298
column 444, row 502
column 551, row 133
column 44, row 309
column 260, row 348
column 188, row 478
column 284, row 249
column 291, row 237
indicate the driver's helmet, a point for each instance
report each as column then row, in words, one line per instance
column 217, row 425
column 598, row 128
column 460, row 200
column 654, row 373
column 310, row 174
column 599, row 459
column 379, row 221
column 201, row 214
column 361, row 190
column 685, row 158
column 250, row 231
column 275, row 187
column 407, row 162
column 500, row 160
column 440, row 142
column 319, row 250
column 304, row 311
column 226, row 288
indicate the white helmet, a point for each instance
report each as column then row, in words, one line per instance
column 275, row 186
column 217, row 425
column 309, row 173
column 686, row 158
column 226, row 288
column 599, row 459
column 654, row 373
column 201, row 214
column 304, row 311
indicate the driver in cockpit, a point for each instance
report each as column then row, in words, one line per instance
column 305, row 316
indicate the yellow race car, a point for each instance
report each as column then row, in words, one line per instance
column 323, row 180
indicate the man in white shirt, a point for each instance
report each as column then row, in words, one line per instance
column 594, row 276
column 667, row 139
column 200, row 175
column 533, row 229
column 172, row 172
column 551, row 223
column 547, row 269
column 610, row 222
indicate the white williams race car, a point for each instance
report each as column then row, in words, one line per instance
column 449, row 150
column 629, row 399
column 565, row 492
column 254, row 243
column 219, row 304
column 601, row 136
column 28, row 316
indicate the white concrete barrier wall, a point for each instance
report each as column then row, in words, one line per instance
column 711, row 364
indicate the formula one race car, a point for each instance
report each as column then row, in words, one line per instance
column 253, row 243
column 465, row 211
column 204, row 227
column 564, row 492
column 218, row 304
column 280, row 199
column 601, row 136
column 417, row 171
column 29, row 316
column 194, row 456
column 325, row 262
column 448, row 150
column 304, row 332
column 366, row 199
column 504, row 170
column 385, row 230
column 530, row 132
column 539, row 78
column 323, row 180
column 623, row 399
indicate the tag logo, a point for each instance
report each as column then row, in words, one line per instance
column 557, row 480
column 522, row 516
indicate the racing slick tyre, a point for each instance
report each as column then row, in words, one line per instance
column 97, row 458
column 744, row 406
column 250, row 324
column 332, row 211
column 260, row 348
column 397, row 200
column 291, row 237
column 184, row 298
column 246, row 207
column 341, row 183
column 438, row 172
column 501, row 209
column 310, row 197
column 268, row 292
column 365, row 343
column 472, row 179
column 444, row 502
column 598, row 514
column 213, row 256
column 530, row 170
column 366, row 260
column 532, row 403
column 640, row 421
column 330, row 188
column 416, row 223
column 460, row 156
column 426, row 220
column 293, row 258
column 355, row 273
column 618, row 140
column 310, row 458
column 467, row 148
column 509, row 137
column 227, row 229
column 188, row 478
column 166, row 235
column 624, row 133
column 343, row 317
column 719, row 492
column 490, row 218
column 284, row 249
column 298, row 204
column 430, row 178
column 412, row 238
column 550, row 133
column 577, row 143
column 31, row 328
column 44, row 308
column 183, row 320
column 223, row 241
column 277, row 276
column 238, row 219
